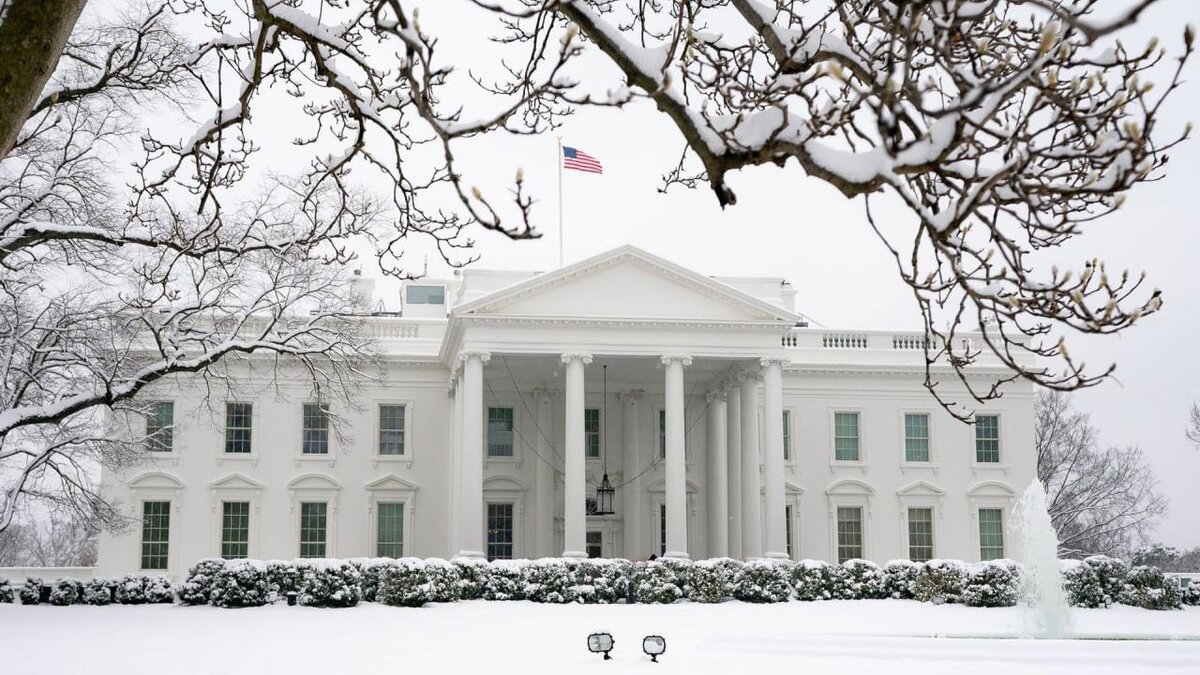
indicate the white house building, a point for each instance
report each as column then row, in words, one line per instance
column 729, row 428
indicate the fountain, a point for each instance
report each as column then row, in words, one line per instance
column 1043, row 598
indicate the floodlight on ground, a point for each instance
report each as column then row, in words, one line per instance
column 601, row 643
column 654, row 645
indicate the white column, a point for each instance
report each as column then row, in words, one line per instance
column 733, row 439
column 544, row 480
column 631, row 466
column 470, row 485
column 776, row 532
column 751, row 525
column 718, row 486
column 455, row 459
column 676, row 487
column 574, row 474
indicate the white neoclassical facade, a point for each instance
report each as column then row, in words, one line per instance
column 727, row 426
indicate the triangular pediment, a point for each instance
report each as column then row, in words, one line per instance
column 920, row 489
column 155, row 480
column 235, row 481
column 626, row 283
column 391, row 482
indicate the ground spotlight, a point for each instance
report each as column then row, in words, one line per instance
column 600, row 643
column 654, row 645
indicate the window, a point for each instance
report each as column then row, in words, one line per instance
column 662, row 433
column 591, row 432
column 987, row 439
column 787, row 435
column 662, row 529
column 916, row 437
column 160, row 428
column 849, row 533
column 237, row 427
column 425, row 295
column 845, row 436
column 500, row 432
column 156, row 531
column 313, row 525
column 787, row 524
column 391, row 429
column 991, row 534
column 316, row 429
column 920, row 534
column 235, row 530
column 500, row 531
column 595, row 548
column 389, row 540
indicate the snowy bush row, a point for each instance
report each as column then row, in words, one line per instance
column 1100, row 581
column 128, row 590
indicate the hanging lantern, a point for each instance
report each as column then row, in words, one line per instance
column 604, row 498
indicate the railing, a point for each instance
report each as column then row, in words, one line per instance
column 844, row 341
column 804, row 338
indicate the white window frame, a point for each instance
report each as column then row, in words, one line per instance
column 173, row 454
column 315, row 487
column 1004, row 531
column 406, row 459
column 329, row 457
column 600, row 433
column 156, row 486
column 391, row 489
column 250, row 526
column 789, row 441
column 991, row 494
column 850, row 492
column 251, row 457
column 235, row 487
column 905, row 464
column 505, row 489
column 921, row 495
column 488, row 459
column 834, row 462
column 1001, row 465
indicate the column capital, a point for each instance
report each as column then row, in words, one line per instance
column 583, row 358
column 717, row 395
column 682, row 359
column 748, row 375
column 631, row 396
column 483, row 356
column 768, row 361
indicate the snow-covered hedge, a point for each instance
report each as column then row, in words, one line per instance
column 899, row 577
column 858, row 579
column 240, row 583
column 812, row 580
column 471, row 575
column 1191, row 594
column 143, row 590
column 603, row 580
column 501, row 580
column 31, row 591
column 284, row 578
column 550, row 580
column 1148, row 588
column 994, row 583
column 943, row 579
column 656, row 582
column 196, row 589
column 403, row 583
column 6, row 592
column 712, row 580
column 1097, row 581
column 66, row 591
column 443, row 580
column 328, row 583
column 763, row 581
column 97, row 592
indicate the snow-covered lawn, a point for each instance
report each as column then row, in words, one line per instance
column 530, row 639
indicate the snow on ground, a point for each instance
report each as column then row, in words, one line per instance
column 882, row 636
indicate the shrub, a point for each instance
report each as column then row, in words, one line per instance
column 403, row 583
column 603, row 581
column 943, row 579
column 96, row 592
column 899, row 577
column 711, row 580
column 141, row 590
column 858, row 579
column 655, row 582
column 283, row 576
column 1191, row 594
column 66, row 592
column 994, row 583
column 1148, row 588
column 763, row 581
column 329, row 583
column 1083, row 586
column 443, row 580
column 31, row 592
column 196, row 589
column 812, row 580
column 369, row 571
column 681, row 567
column 240, row 583
column 501, row 580
column 6, row 591
column 550, row 580
column 470, row 573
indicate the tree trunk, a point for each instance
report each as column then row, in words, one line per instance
column 32, row 35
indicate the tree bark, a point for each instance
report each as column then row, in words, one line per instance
column 32, row 36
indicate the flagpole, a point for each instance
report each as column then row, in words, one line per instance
column 559, row 159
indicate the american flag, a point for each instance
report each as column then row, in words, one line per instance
column 579, row 160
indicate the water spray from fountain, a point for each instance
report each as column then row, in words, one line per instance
column 1043, row 598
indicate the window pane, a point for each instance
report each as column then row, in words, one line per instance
column 160, row 423
column 662, row 433
column 662, row 529
column 390, row 538
column 391, row 429
column 316, row 429
column 237, row 427
column 425, row 295
column 987, row 439
column 787, row 435
column 312, row 529
column 916, row 438
column 591, row 432
column 920, row 534
column 235, row 530
column 991, row 534
column 849, row 533
column 787, row 520
column 595, row 545
column 500, row 432
column 500, row 531
column 156, row 530
column 845, row 436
